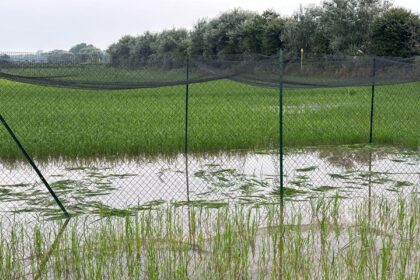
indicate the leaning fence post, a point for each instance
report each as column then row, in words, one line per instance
column 281, row 145
column 187, row 81
column 32, row 163
column 372, row 101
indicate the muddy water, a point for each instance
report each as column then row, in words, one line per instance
column 117, row 185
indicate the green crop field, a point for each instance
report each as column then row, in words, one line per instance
column 223, row 115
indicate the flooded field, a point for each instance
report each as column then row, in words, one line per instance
column 244, row 242
column 344, row 207
column 118, row 185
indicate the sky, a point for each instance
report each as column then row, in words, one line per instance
column 28, row 25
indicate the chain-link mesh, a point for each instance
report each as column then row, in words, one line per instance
column 206, row 130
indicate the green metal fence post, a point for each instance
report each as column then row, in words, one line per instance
column 281, row 144
column 372, row 101
column 33, row 165
column 186, row 126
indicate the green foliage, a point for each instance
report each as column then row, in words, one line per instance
column 253, row 33
column 170, row 45
column 87, row 53
column 120, row 52
column 76, row 49
column 302, row 30
column 273, row 36
column 333, row 27
column 60, row 56
column 223, row 35
column 150, row 48
column 197, row 38
column 90, row 54
column 350, row 23
column 263, row 33
column 140, row 49
column 337, row 26
column 81, row 53
column 396, row 33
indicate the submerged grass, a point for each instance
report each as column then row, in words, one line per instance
column 223, row 115
column 327, row 239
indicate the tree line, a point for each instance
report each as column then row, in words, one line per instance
column 349, row 27
column 346, row 27
column 80, row 53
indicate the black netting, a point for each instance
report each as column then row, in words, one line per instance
column 311, row 72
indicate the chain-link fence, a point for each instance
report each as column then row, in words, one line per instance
column 95, row 137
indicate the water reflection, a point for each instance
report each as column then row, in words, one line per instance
column 53, row 247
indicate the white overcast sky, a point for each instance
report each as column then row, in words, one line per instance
column 30, row 25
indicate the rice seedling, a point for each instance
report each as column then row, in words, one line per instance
column 324, row 239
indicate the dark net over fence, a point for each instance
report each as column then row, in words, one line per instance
column 206, row 131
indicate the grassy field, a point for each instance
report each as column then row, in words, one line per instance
column 375, row 239
column 223, row 115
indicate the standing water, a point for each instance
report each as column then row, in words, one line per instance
column 117, row 184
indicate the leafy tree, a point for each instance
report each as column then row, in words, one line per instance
column 120, row 53
column 60, row 56
column 253, row 33
column 143, row 48
column 301, row 31
column 333, row 27
column 263, row 33
column 396, row 33
column 90, row 54
column 273, row 36
column 76, row 49
column 184, row 47
column 223, row 35
column 170, row 42
column 87, row 53
column 197, row 38
column 348, row 23
column 170, row 46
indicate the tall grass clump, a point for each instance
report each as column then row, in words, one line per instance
column 326, row 239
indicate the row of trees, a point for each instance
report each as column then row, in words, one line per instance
column 81, row 53
column 351, row 27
